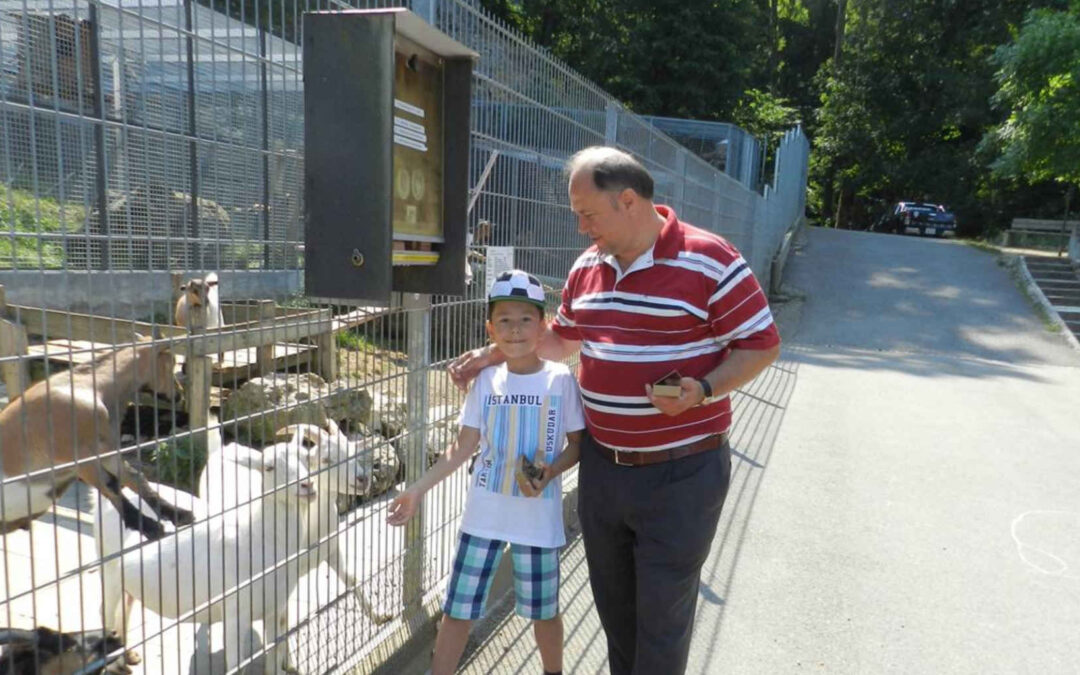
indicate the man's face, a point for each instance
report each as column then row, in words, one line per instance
column 601, row 215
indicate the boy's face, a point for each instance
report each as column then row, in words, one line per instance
column 515, row 327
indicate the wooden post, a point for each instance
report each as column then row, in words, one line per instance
column 418, row 317
column 199, row 371
column 265, row 354
column 326, row 348
column 13, row 343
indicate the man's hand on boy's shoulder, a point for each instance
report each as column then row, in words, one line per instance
column 466, row 367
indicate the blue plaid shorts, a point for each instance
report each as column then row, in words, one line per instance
column 536, row 578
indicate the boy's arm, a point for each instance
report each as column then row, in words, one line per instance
column 566, row 459
column 405, row 505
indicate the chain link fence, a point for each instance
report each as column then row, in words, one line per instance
column 145, row 146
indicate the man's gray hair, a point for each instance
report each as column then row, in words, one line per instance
column 612, row 170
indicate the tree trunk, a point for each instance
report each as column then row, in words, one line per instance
column 841, row 11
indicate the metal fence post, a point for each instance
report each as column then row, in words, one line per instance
column 679, row 196
column 425, row 9
column 101, row 183
column 611, row 124
column 717, row 187
column 418, row 327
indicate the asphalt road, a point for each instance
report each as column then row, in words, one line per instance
column 918, row 510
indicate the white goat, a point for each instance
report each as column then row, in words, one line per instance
column 199, row 295
column 339, row 470
column 184, row 575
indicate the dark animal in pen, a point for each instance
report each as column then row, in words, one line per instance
column 75, row 415
column 43, row 651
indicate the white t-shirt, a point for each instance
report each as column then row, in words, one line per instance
column 519, row 415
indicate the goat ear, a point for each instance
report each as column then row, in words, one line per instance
column 184, row 286
column 332, row 426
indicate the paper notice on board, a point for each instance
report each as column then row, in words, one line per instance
column 499, row 259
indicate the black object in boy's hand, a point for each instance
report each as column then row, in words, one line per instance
column 527, row 472
column 668, row 385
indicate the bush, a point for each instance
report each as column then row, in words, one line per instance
column 22, row 214
column 177, row 462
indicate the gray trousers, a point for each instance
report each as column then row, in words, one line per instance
column 647, row 533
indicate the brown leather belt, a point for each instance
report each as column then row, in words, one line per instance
column 631, row 458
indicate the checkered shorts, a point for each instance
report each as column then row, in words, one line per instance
column 536, row 578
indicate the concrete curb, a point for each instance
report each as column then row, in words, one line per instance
column 779, row 261
column 1017, row 262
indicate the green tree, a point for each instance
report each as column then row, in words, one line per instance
column 904, row 110
column 1039, row 78
column 659, row 57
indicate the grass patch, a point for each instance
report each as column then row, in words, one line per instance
column 982, row 245
column 353, row 341
column 23, row 218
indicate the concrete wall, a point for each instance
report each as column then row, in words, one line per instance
column 132, row 295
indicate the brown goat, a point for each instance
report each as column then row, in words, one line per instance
column 75, row 415
column 43, row 651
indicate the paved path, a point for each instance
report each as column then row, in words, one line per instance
column 905, row 497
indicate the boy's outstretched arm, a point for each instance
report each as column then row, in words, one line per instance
column 566, row 459
column 406, row 504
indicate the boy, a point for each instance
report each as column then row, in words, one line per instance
column 524, row 407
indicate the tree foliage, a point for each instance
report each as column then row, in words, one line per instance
column 896, row 94
column 1039, row 78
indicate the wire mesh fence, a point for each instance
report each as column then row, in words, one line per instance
column 194, row 454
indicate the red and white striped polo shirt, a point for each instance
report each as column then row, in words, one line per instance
column 683, row 305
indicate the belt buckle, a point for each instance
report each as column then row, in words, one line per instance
column 617, row 462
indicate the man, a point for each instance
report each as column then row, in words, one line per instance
column 651, row 295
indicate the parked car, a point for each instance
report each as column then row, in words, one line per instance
column 917, row 218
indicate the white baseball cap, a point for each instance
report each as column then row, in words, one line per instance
column 517, row 285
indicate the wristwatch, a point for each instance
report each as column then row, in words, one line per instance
column 705, row 387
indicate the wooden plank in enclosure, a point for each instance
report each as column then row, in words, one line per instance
column 242, row 364
column 358, row 316
column 258, row 333
column 74, row 326
column 69, row 352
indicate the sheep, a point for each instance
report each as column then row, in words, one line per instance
column 248, row 540
column 76, row 415
column 333, row 458
column 200, row 295
column 44, row 651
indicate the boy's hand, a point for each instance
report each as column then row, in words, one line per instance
column 403, row 507
column 534, row 487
